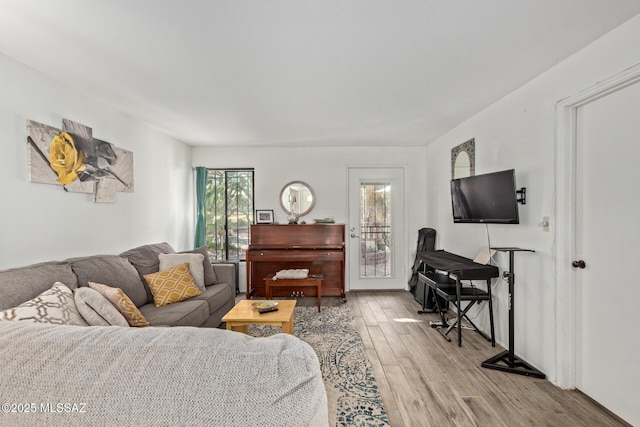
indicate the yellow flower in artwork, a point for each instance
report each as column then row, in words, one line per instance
column 65, row 158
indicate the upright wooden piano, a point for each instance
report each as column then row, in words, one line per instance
column 275, row 247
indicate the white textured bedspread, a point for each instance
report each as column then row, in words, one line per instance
column 108, row 376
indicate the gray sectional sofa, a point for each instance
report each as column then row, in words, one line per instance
column 77, row 375
column 125, row 271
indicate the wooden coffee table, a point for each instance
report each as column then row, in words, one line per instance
column 244, row 314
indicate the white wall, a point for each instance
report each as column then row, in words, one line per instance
column 40, row 222
column 519, row 132
column 325, row 170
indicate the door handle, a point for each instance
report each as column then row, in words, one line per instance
column 578, row 264
column 353, row 235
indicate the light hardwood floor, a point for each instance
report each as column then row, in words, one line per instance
column 426, row 381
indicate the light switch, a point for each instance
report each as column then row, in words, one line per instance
column 545, row 223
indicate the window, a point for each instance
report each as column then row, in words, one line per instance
column 375, row 229
column 228, row 212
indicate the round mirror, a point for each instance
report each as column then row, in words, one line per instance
column 297, row 198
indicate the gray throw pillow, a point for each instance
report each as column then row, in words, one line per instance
column 195, row 261
column 55, row 305
column 210, row 277
column 96, row 309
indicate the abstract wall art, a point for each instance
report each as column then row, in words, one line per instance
column 71, row 157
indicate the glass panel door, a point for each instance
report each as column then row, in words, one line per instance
column 375, row 229
column 376, row 243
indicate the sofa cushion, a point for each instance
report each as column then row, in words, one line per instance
column 96, row 309
column 113, row 271
column 54, row 305
column 173, row 285
column 217, row 296
column 145, row 259
column 186, row 313
column 209, row 274
column 195, row 265
column 226, row 272
column 18, row 285
column 120, row 301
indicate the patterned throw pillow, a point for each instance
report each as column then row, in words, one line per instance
column 122, row 302
column 173, row 285
column 54, row 305
column 195, row 261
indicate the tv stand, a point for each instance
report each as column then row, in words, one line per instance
column 507, row 361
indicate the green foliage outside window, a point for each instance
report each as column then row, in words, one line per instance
column 229, row 212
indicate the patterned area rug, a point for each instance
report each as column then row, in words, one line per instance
column 353, row 395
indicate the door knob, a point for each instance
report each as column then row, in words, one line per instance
column 578, row 264
column 353, row 235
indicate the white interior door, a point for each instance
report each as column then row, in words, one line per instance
column 375, row 232
column 607, row 239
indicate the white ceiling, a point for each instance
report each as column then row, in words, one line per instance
column 301, row 72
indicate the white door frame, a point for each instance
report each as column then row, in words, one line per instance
column 565, row 213
column 403, row 230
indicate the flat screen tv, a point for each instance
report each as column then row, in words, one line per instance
column 489, row 198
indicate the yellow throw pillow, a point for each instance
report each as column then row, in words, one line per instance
column 172, row 285
column 122, row 302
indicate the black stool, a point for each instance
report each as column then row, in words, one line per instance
column 452, row 290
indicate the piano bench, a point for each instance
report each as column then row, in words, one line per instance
column 314, row 281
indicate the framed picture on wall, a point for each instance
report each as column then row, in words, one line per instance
column 264, row 216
